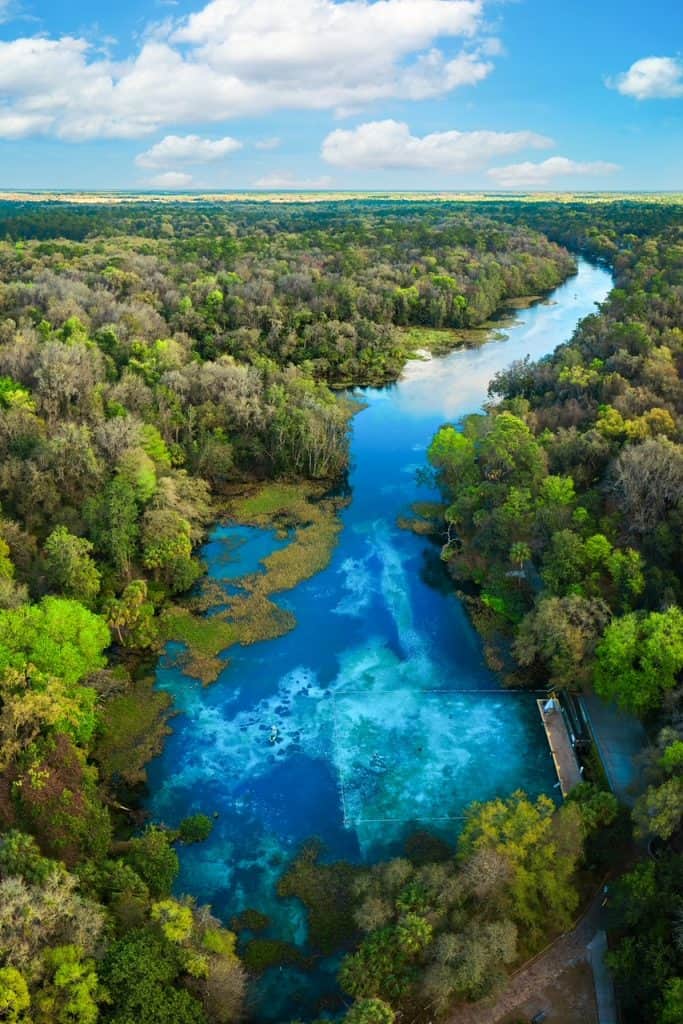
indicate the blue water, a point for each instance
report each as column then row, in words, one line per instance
column 387, row 717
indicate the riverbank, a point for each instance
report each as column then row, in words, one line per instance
column 377, row 715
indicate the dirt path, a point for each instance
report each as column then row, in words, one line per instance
column 531, row 981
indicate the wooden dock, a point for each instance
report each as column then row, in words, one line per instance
column 566, row 765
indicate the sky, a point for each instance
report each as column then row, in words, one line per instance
column 341, row 94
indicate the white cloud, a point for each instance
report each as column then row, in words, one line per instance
column 384, row 145
column 187, row 149
column 171, row 180
column 240, row 58
column 282, row 180
column 651, row 78
column 542, row 175
column 273, row 143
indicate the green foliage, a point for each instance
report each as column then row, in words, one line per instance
column 131, row 617
column 58, row 636
column 324, row 889
column 70, row 569
column 542, row 848
column 644, row 913
column 71, row 992
column 195, row 829
column 174, row 919
column 370, row 1011
column 261, row 954
column 639, row 659
column 21, row 857
column 154, row 859
column 140, row 972
column 14, row 996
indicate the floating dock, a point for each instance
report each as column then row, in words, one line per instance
column 559, row 740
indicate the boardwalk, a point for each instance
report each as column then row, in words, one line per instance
column 566, row 765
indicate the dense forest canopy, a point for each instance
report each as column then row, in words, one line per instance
column 154, row 358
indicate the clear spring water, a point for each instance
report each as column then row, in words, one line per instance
column 386, row 716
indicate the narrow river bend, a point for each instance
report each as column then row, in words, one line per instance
column 386, row 715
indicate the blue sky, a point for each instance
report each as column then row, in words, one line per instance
column 384, row 94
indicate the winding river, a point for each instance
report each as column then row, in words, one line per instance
column 385, row 715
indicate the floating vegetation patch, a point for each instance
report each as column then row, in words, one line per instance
column 426, row 520
column 260, row 954
column 246, row 615
column 326, row 890
column 133, row 727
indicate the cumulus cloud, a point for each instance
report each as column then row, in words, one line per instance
column 388, row 145
column 542, row 175
column 651, row 78
column 244, row 57
column 171, row 180
column 187, row 149
column 283, row 180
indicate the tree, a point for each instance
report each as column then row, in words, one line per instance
column 543, row 846
column 70, row 568
column 672, row 1010
column 140, row 972
column 155, row 860
column 659, row 811
column 648, row 481
column 370, row 1011
column 453, row 456
column 119, row 531
column 58, row 636
column 167, row 549
column 174, row 919
column 71, row 992
column 561, row 633
column 639, row 659
column 52, row 913
column 132, row 617
column 195, row 829
column 14, row 996
column 36, row 705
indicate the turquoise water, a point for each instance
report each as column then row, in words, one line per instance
column 386, row 715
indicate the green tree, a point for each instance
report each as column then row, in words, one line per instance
column 71, row 992
column 70, row 569
column 58, row 636
column 639, row 659
column 131, row 617
column 659, row 811
column 15, row 1000
column 154, row 859
column 672, row 1010
column 543, row 846
column 370, row 1011
column 140, row 972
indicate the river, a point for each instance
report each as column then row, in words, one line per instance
column 385, row 713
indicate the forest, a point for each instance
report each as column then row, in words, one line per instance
column 154, row 363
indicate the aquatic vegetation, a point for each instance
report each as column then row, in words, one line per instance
column 133, row 726
column 326, row 892
column 311, row 525
column 260, row 954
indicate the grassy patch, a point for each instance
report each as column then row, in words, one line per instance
column 440, row 340
column 134, row 725
column 297, row 511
